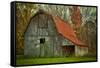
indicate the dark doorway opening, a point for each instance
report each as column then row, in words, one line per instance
column 68, row 50
column 42, row 40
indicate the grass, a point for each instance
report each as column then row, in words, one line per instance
column 30, row 61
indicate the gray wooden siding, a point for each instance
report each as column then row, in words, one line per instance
column 37, row 30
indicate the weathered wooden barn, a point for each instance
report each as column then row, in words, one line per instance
column 45, row 36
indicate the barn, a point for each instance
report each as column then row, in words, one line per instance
column 49, row 36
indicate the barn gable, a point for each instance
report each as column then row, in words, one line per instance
column 43, row 22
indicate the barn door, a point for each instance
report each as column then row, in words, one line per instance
column 42, row 46
column 45, row 50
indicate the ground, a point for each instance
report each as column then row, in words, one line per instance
column 29, row 61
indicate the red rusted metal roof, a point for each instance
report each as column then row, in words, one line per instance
column 67, row 31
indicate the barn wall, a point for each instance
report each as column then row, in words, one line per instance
column 81, row 51
column 42, row 26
